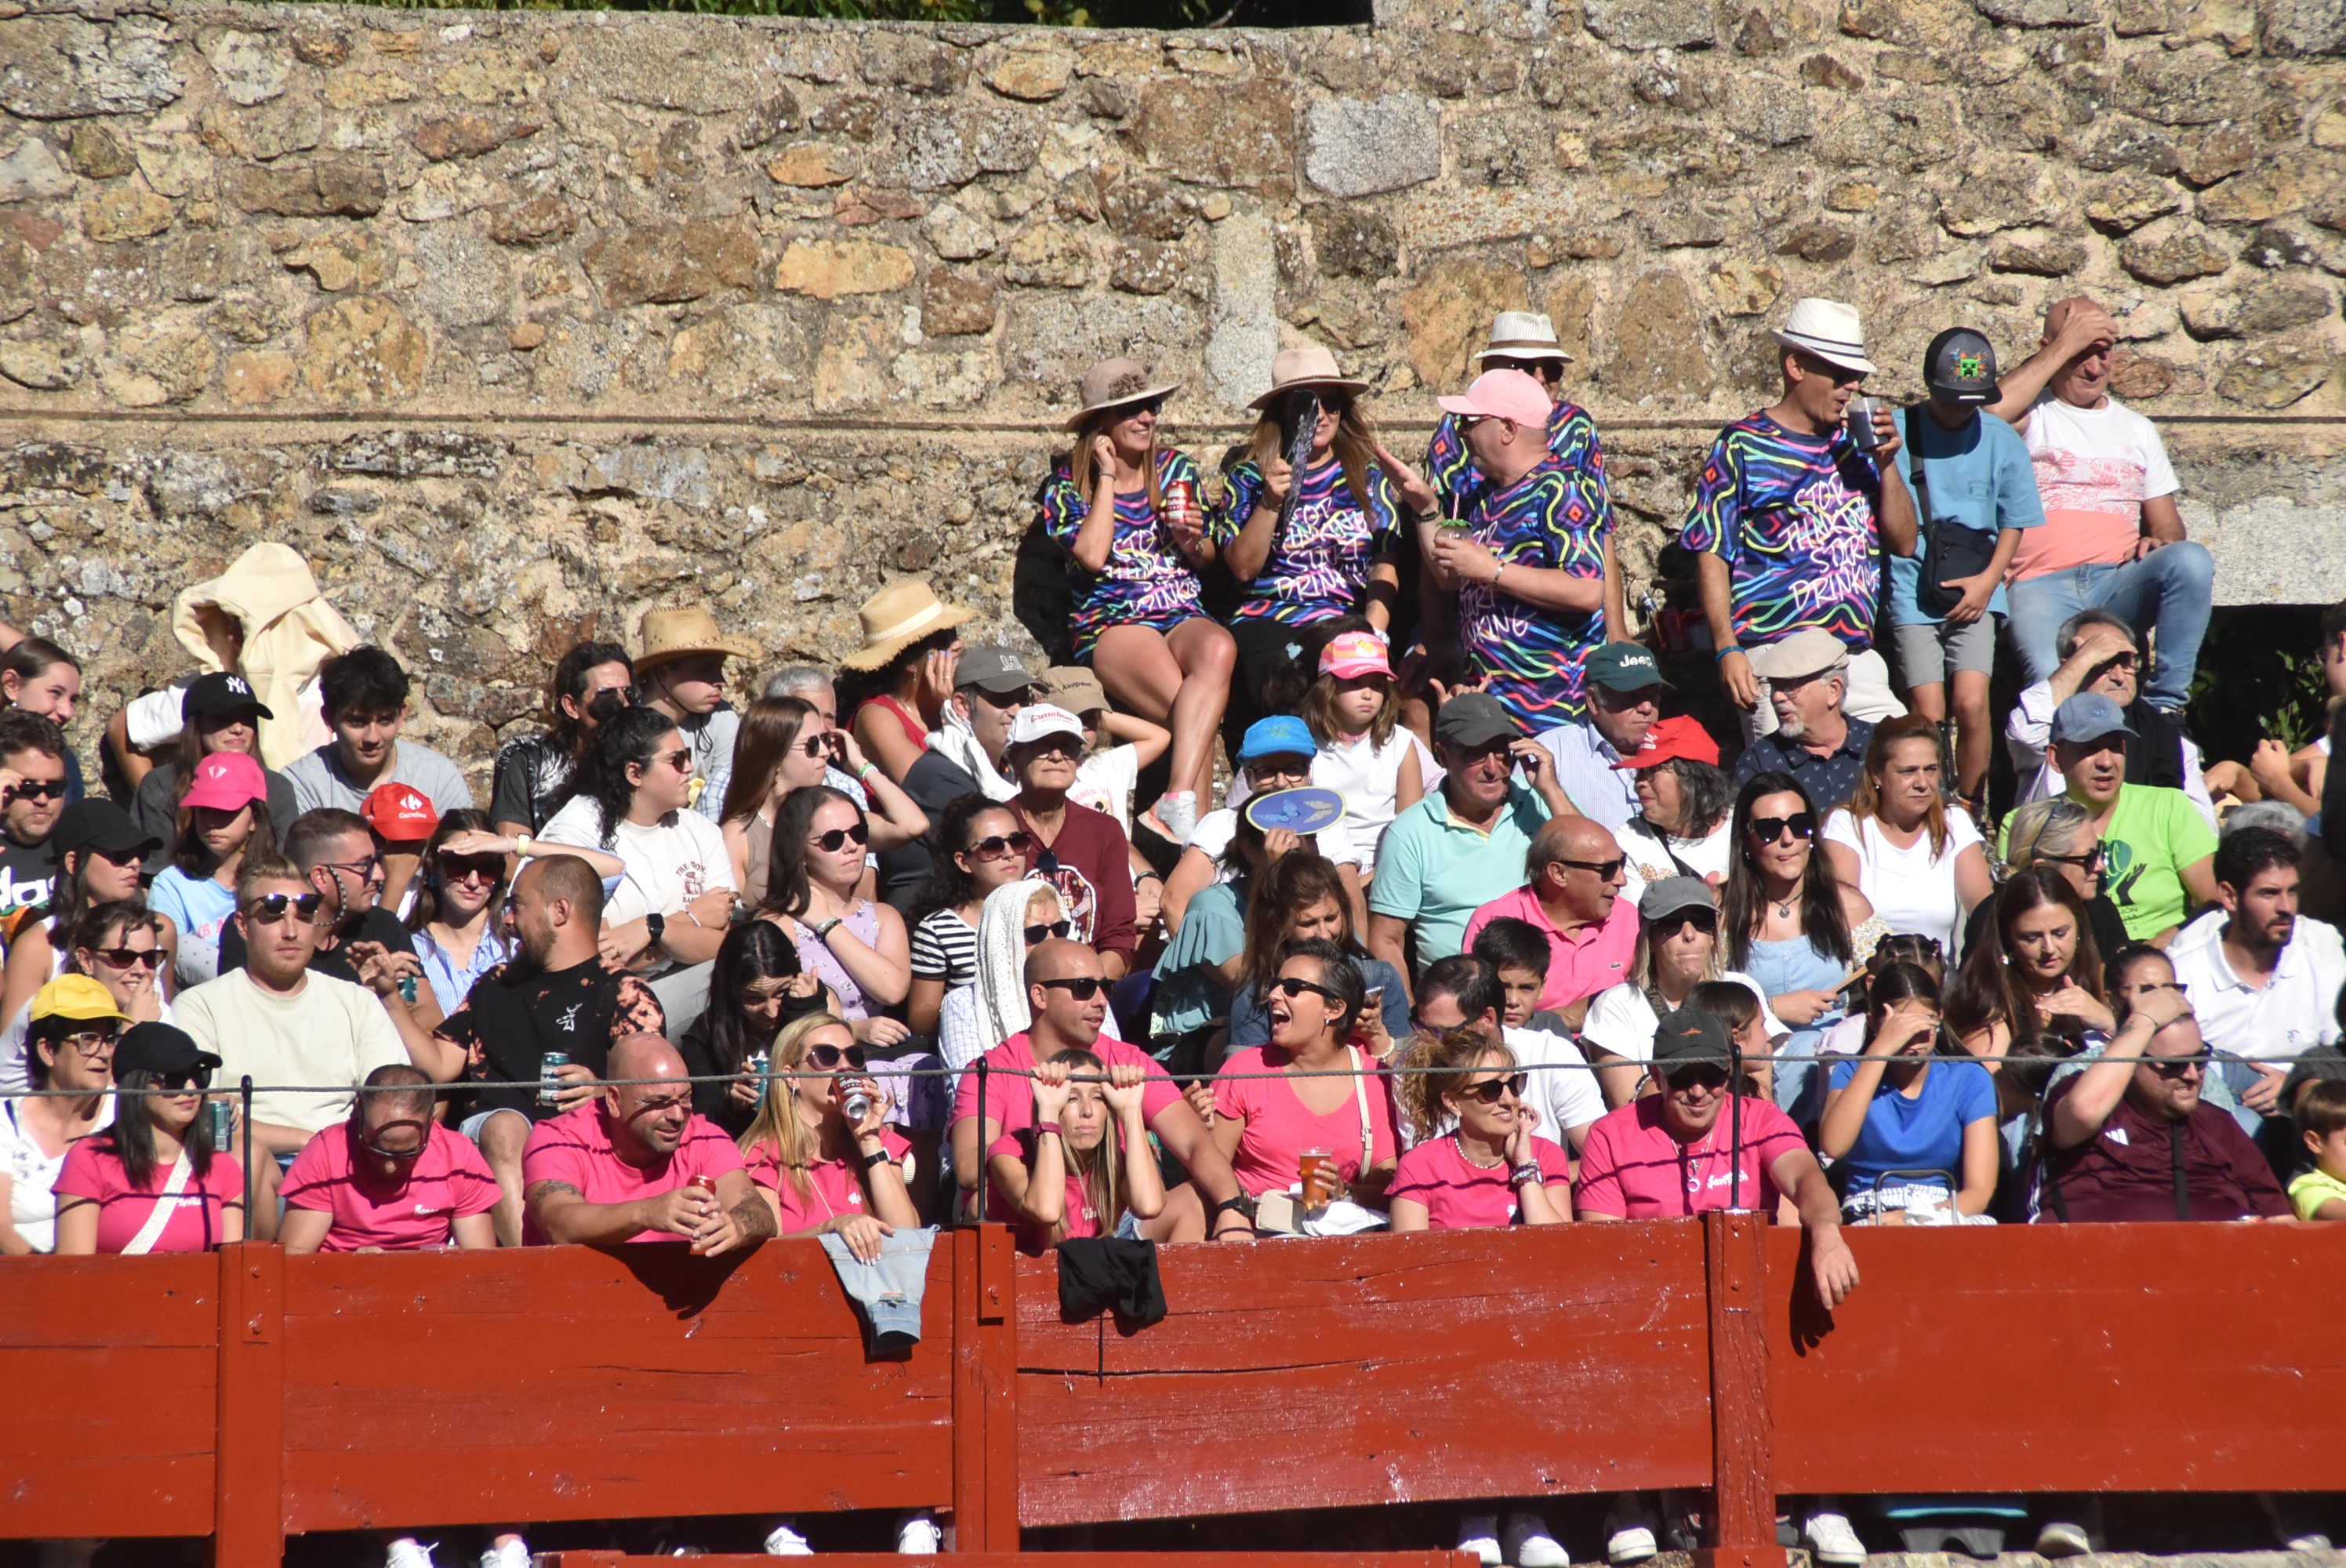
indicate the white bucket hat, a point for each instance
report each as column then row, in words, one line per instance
column 1829, row 330
column 1523, row 335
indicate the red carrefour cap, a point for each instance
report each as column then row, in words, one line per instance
column 1669, row 738
column 400, row 812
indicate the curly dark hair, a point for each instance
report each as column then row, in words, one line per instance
column 630, row 740
column 948, row 886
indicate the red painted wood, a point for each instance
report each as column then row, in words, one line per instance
column 1058, row 1560
column 2139, row 1357
column 571, row 1383
column 250, row 1492
column 110, row 1365
column 985, row 1391
column 1409, row 1368
column 1743, row 1486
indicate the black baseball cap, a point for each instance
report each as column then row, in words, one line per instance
column 1959, row 365
column 1622, row 666
column 88, row 824
column 167, row 1051
column 216, row 693
column 1689, row 1037
column 1475, row 719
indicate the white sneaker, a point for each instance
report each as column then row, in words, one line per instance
column 405, row 1552
column 2060, row 1538
column 1479, row 1533
column 1832, row 1540
column 781, row 1540
column 1176, row 810
column 918, row 1536
column 2315, row 1542
column 1528, row 1544
column 1629, row 1539
column 511, row 1554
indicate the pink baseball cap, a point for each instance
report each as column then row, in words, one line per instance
column 1351, row 654
column 228, row 781
column 1503, row 394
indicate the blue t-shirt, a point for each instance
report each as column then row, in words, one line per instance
column 1190, row 993
column 1320, row 569
column 1923, row 1134
column 1979, row 478
column 200, row 908
column 1793, row 517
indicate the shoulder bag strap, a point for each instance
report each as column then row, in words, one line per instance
column 1361, row 1098
column 166, row 1203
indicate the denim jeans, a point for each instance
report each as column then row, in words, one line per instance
column 2168, row 592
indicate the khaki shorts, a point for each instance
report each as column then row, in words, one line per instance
column 1929, row 653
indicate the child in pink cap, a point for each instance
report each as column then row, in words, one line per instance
column 1353, row 710
column 224, row 812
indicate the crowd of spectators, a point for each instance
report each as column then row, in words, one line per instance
column 1488, row 928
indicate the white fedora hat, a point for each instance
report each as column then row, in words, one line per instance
column 1523, row 335
column 1829, row 330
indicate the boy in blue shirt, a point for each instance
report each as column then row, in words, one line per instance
column 1976, row 492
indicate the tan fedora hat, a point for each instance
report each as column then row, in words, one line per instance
column 1523, row 335
column 899, row 616
column 1311, row 366
column 685, row 629
column 1112, row 383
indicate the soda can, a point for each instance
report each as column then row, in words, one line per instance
column 407, row 989
column 759, row 1064
column 549, row 1081
column 223, row 1116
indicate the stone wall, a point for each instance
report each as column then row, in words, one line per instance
column 519, row 324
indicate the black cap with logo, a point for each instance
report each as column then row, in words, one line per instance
column 1959, row 366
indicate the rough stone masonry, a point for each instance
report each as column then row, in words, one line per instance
column 521, row 324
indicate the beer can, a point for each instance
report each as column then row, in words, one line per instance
column 549, row 1075
column 223, row 1116
column 759, row 1064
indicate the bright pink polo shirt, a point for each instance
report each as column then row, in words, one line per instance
column 448, row 1181
column 576, row 1148
column 1075, row 1207
column 837, row 1187
column 1279, row 1126
column 1593, row 959
column 1459, row 1194
column 1631, row 1168
column 1010, row 1098
column 93, row 1171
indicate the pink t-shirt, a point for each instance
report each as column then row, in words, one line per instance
column 93, row 1171
column 448, row 1181
column 838, row 1187
column 1631, row 1168
column 1459, row 1194
column 1010, row 1100
column 576, row 1148
column 1279, row 1126
column 1593, row 959
column 1082, row 1220
column 2095, row 468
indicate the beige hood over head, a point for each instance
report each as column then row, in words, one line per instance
column 265, row 618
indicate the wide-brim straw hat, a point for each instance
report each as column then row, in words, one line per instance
column 1306, row 367
column 899, row 616
column 1112, row 383
column 1522, row 335
column 1829, row 330
column 687, row 629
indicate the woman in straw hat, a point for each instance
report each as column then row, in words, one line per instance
column 1132, row 519
column 910, row 649
column 1336, row 554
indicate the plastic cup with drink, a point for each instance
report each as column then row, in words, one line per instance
column 1318, row 1168
column 1859, row 418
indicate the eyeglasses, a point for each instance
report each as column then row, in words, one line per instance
column 91, row 1042
column 1490, row 1091
column 997, row 845
column 38, row 790
column 1292, row 986
column 1769, row 829
column 377, row 1150
column 1058, row 928
column 271, row 908
column 838, row 838
column 1703, row 1077
column 680, row 758
column 1669, row 926
column 829, row 1056
column 2173, row 1067
column 1081, row 987
column 366, row 871
column 472, row 868
column 1606, row 870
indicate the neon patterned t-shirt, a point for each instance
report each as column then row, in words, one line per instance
column 1531, row 657
column 1571, row 439
column 1146, row 584
column 1320, row 569
column 1795, row 518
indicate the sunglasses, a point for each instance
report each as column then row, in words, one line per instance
column 1059, row 928
column 1490, row 1091
column 198, row 1081
column 381, row 1153
column 2121, row 661
column 1669, row 926
column 1706, row 1077
column 1291, row 986
column 1083, row 987
column 680, row 758
column 1016, row 843
column 472, row 868
column 813, row 745
column 38, row 790
column 125, row 957
column 1606, row 870
column 1769, row 830
column 271, row 908
column 2085, row 862
column 2173, row 1067
column 838, row 838
column 119, row 858
column 1146, row 405
column 829, row 1056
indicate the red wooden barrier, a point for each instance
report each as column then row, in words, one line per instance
column 1062, row 1560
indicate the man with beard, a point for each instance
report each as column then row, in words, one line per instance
column 1815, row 741
column 2263, row 979
column 556, row 994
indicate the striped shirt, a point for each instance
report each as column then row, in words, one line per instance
column 944, row 948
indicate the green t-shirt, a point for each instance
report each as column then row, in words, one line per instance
column 1434, row 872
column 2152, row 835
column 2311, row 1190
column 1190, row 991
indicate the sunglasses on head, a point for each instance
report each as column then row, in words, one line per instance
column 1292, row 986
column 271, row 908
column 381, row 1153
column 1490, row 1091
column 1081, row 987
column 993, row 844
column 38, row 790
column 2172, row 1067
column 1769, row 829
column 829, row 1056
column 1059, row 928
column 838, row 838
column 1706, row 1076
column 124, row 957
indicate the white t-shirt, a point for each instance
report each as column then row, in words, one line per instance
column 1369, row 779
column 2095, row 468
column 33, row 1176
column 1105, row 782
column 1910, row 890
column 1215, row 829
column 669, row 863
column 2298, row 1007
column 329, row 1032
column 1649, row 861
column 1621, row 1021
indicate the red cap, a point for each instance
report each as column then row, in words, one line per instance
column 1679, row 737
column 400, row 813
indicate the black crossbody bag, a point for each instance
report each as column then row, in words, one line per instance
column 1949, row 548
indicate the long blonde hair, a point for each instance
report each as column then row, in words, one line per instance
column 778, row 1122
column 1080, row 469
column 1355, row 446
column 1101, row 1170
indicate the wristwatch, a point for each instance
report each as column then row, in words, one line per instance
column 1522, row 1174
column 876, row 1158
column 822, row 932
column 655, row 928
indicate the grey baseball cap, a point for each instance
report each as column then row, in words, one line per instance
column 994, row 669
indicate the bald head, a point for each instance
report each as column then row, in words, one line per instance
column 2057, row 313
column 569, row 878
column 649, row 1120
column 644, row 1056
column 1059, row 958
column 1574, row 868
column 1056, row 972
